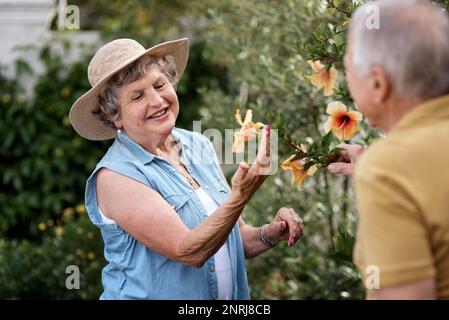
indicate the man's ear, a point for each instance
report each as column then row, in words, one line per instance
column 380, row 84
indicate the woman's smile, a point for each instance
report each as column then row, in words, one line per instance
column 160, row 115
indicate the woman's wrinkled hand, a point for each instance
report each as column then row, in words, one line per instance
column 287, row 225
column 248, row 179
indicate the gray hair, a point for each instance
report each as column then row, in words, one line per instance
column 109, row 105
column 410, row 43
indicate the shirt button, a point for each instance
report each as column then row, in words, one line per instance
column 207, row 187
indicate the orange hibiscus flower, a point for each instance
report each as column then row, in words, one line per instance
column 297, row 169
column 343, row 123
column 247, row 132
column 323, row 78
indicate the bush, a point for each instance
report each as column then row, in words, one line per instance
column 266, row 61
column 31, row 270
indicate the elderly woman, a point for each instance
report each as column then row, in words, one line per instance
column 170, row 223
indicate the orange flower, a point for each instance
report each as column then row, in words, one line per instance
column 343, row 123
column 297, row 168
column 247, row 132
column 323, row 78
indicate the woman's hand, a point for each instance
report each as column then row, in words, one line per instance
column 248, row 179
column 287, row 225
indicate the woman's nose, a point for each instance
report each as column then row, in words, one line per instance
column 154, row 99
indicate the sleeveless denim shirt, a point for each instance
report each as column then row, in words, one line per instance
column 133, row 270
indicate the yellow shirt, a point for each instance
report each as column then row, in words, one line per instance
column 402, row 191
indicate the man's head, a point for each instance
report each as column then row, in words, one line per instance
column 402, row 62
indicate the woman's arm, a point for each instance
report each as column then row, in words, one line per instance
column 145, row 215
column 286, row 225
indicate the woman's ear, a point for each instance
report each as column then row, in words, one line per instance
column 380, row 84
column 118, row 124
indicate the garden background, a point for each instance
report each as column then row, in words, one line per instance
column 244, row 54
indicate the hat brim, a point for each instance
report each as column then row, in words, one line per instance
column 82, row 117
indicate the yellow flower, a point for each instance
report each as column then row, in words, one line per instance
column 67, row 213
column 297, row 169
column 20, row 98
column 247, row 132
column 81, row 209
column 6, row 98
column 91, row 255
column 343, row 123
column 65, row 92
column 59, row 231
column 41, row 226
column 323, row 78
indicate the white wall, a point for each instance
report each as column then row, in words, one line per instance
column 26, row 22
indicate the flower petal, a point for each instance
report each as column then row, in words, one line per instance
column 355, row 115
column 335, row 106
column 312, row 170
column 238, row 117
column 328, row 81
column 315, row 79
column 316, row 66
column 248, row 117
column 239, row 143
column 328, row 126
column 286, row 165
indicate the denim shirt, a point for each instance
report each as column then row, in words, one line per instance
column 133, row 270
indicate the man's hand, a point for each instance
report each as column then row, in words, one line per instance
column 345, row 163
column 286, row 225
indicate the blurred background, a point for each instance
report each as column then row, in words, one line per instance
column 244, row 54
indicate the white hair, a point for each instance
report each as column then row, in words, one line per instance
column 410, row 42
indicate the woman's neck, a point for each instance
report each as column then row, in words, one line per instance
column 156, row 144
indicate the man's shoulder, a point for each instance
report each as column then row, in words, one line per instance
column 378, row 154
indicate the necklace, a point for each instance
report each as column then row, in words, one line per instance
column 188, row 178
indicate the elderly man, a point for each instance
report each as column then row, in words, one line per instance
column 398, row 75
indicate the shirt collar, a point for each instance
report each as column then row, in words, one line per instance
column 140, row 153
column 433, row 110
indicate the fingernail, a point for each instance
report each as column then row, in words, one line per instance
column 330, row 167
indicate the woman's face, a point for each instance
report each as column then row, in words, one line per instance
column 149, row 107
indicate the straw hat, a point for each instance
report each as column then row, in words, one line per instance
column 108, row 60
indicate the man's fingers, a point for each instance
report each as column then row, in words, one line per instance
column 341, row 168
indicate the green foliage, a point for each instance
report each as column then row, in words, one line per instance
column 248, row 54
column 267, row 61
column 31, row 270
column 44, row 163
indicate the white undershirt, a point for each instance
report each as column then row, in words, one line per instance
column 222, row 260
